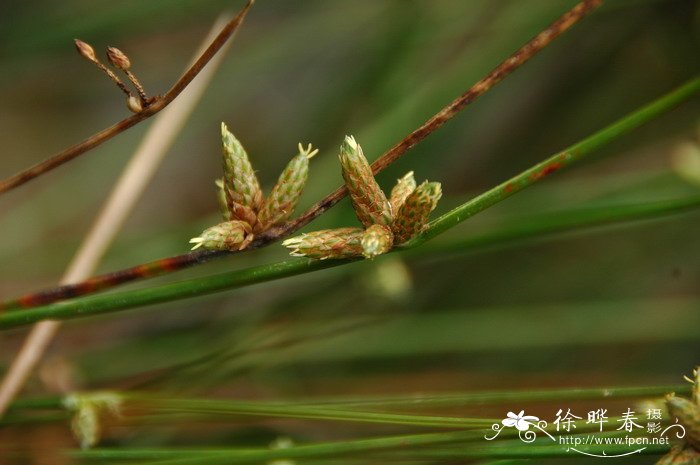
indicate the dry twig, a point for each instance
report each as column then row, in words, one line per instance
column 154, row 107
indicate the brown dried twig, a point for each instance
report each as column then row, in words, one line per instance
column 167, row 265
column 513, row 62
column 156, row 105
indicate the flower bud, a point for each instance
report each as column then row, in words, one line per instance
column 368, row 200
column 283, row 199
column 118, row 58
column 243, row 193
column 221, row 197
column 230, row 235
column 688, row 415
column 415, row 211
column 88, row 408
column 403, row 188
column 376, row 240
column 681, row 454
column 85, row 50
column 327, row 243
column 134, row 104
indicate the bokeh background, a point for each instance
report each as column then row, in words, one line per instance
column 605, row 306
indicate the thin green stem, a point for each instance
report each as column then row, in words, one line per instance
column 229, row 407
column 200, row 286
column 326, row 449
column 96, row 305
column 557, row 162
column 549, row 224
column 454, row 399
column 390, row 447
column 494, row 397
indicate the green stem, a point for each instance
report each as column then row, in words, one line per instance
column 95, row 305
column 562, row 221
column 454, row 399
column 342, row 409
column 494, row 397
column 200, row 286
column 326, row 449
column 390, row 447
column 558, row 161
column 228, row 407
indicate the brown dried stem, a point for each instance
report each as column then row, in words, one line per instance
column 156, row 105
column 513, row 62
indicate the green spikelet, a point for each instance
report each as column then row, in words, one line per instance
column 230, row 235
column 680, row 455
column 283, row 199
column 221, row 197
column 243, row 194
column 368, row 200
column 415, row 211
column 87, row 409
column 327, row 243
column 376, row 240
column 688, row 415
column 403, row 188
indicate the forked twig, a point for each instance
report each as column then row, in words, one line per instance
column 125, row 194
column 179, row 262
column 154, row 107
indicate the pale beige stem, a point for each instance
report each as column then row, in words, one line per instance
column 128, row 189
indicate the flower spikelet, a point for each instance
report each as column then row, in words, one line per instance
column 403, row 188
column 88, row 408
column 221, row 197
column 243, row 194
column 327, row 243
column 680, row 454
column 688, row 414
column 368, row 200
column 283, row 199
column 414, row 213
column 229, row 235
column 376, row 240
column 118, row 58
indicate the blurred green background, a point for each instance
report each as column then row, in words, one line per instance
column 616, row 305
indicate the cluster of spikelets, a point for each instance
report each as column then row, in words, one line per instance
column 246, row 212
column 386, row 221
column 687, row 414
